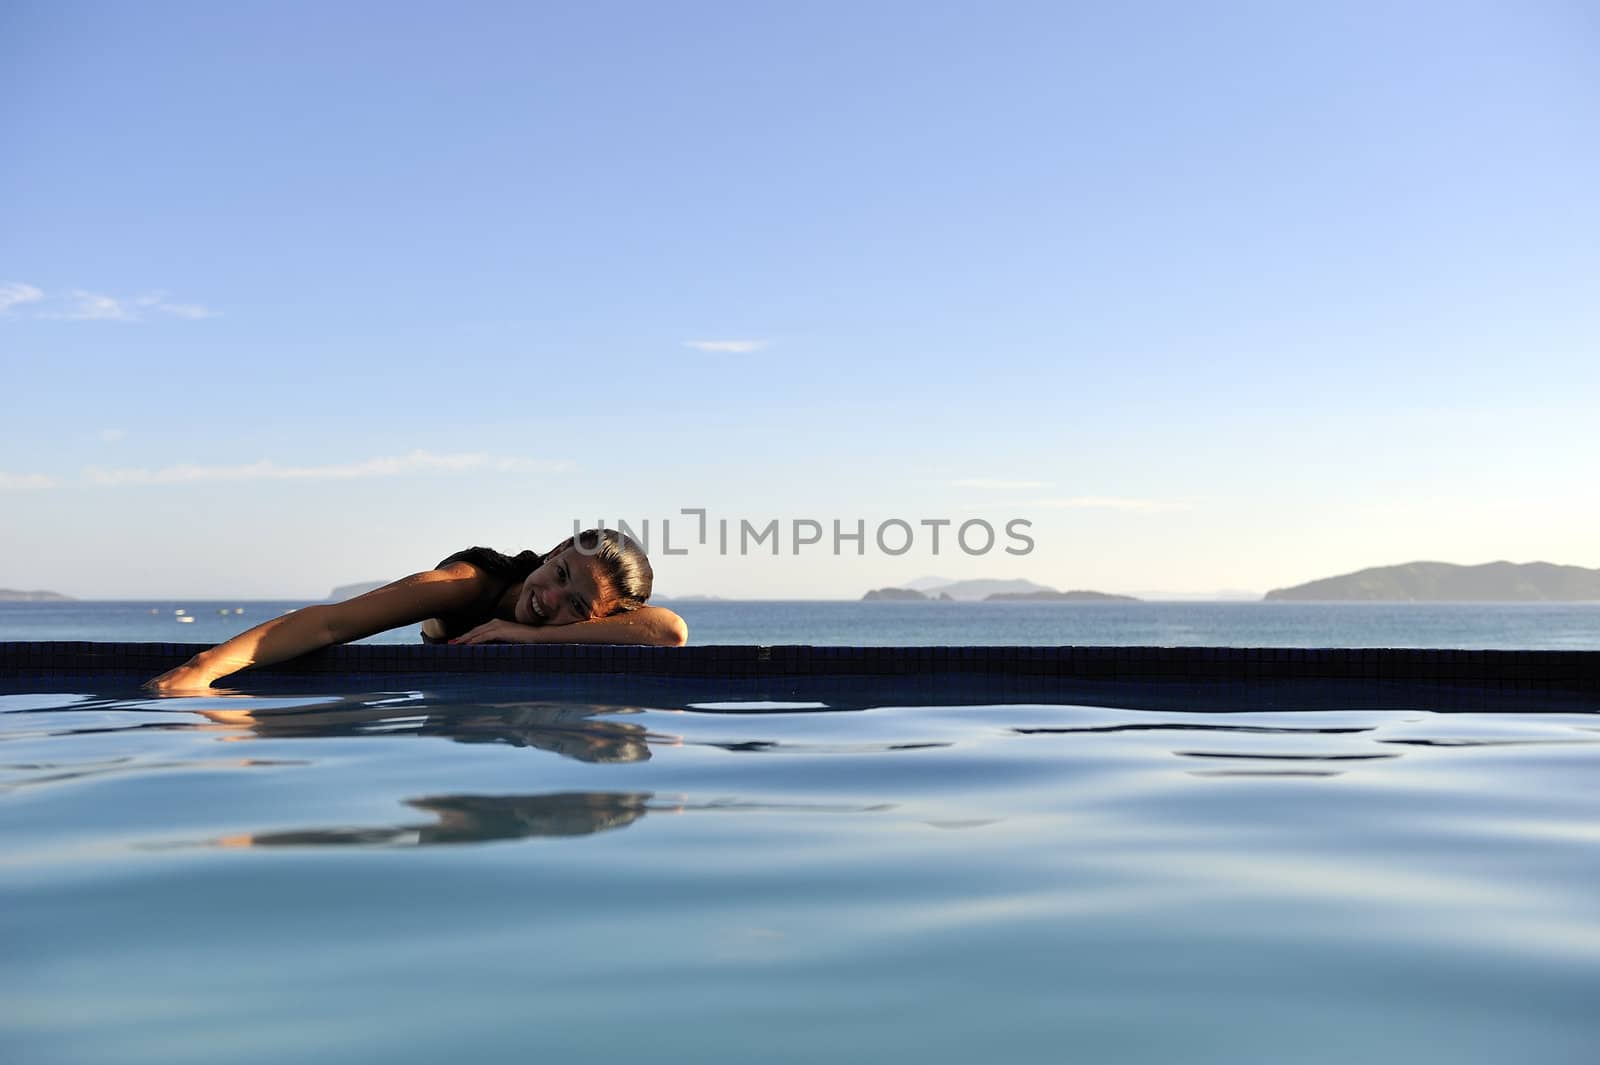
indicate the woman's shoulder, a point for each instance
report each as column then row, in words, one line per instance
column 496, row 563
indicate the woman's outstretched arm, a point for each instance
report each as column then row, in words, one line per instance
column 406, row 601
column 654, row 626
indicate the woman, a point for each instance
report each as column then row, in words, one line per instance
column 590, row 589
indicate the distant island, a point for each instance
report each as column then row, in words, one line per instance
column 1445, row 582
column 1014, row 591
column 1049, row 596
column 12, row 595
column 975, row 590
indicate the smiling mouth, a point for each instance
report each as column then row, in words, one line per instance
column 538, row 611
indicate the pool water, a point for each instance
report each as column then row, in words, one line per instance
column 462, row 873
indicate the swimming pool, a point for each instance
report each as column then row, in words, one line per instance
column 768, row 862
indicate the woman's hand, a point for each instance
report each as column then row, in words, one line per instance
column 186, row 679
column 498, row 631
column 648, row 626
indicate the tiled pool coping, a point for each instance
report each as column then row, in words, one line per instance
column 1190, row 678
column 1566, row 670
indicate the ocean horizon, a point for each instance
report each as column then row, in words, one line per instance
column 1175, row 623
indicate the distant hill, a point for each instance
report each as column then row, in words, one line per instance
column 900, row 595
column 1051, row 596
column 350, row 591
column 12, row 595
column 1444, row 582
column 980, row 589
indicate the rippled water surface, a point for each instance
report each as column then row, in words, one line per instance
column 462, row 874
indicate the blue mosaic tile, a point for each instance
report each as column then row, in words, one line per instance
column 937, row 667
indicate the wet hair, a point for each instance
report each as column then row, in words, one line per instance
column 620, row 560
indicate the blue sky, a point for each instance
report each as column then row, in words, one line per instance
column 1216, row 296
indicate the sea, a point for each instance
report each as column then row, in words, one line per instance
column 1525, row 626
column 467, row 868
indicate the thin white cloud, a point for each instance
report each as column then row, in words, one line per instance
column 24, row 480
column 93, row 307
column 1145, row 506
column 111, row 436
column 735, row 347
column 982, row 482
column 15, row 293
column 1107, row 503
column 267, row 470
column 191, row 311
column 80, row 305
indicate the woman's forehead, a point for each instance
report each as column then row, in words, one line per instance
column 587, row 577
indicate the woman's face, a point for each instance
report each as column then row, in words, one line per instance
column 567, row 588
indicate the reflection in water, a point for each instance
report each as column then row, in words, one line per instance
column 1483, row 743
column 483, row 818
column 1187, row 726
column 475, row 819
column 1278, row 757
column 573, row 731
column 37, row 773
column 790, row 747
column 586, row 732
column 1266, row 772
